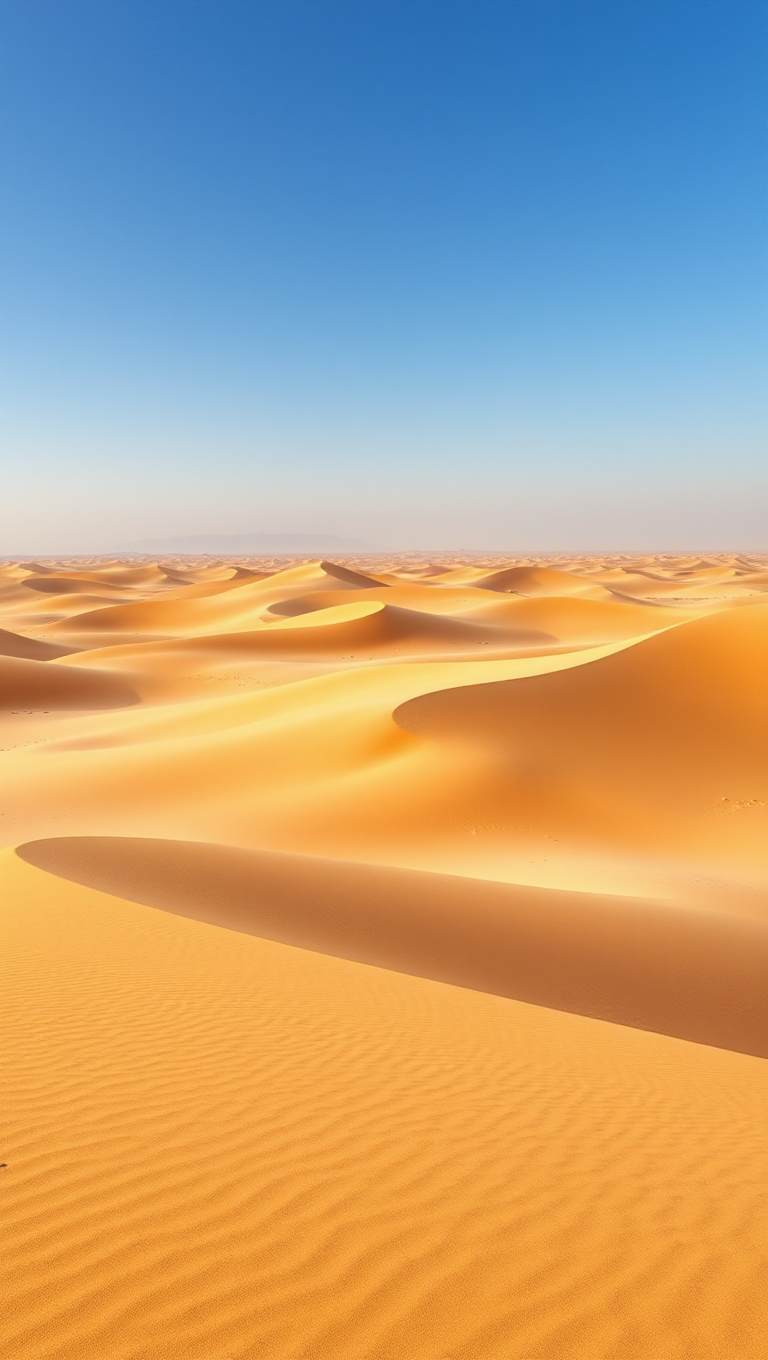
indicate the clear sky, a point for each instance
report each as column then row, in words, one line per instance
column 476, row 274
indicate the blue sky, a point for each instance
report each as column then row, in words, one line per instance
column 442, row 274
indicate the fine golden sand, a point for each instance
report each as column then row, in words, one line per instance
column 385, row 959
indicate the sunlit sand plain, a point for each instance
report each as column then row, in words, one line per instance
column 385, row 956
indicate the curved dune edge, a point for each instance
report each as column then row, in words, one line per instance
column 694, row 975
column 30, row 649
column 357, row 579
column 49, row 685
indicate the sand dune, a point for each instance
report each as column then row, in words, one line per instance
column 13, row 644
column 695, row 975
column 88, row 584
column 383, row 625
column 575, row 621
column 538, row 581
column 201, row 606
column 649, row 745
column 356, row 579
column 34, row 685
column 385, row 946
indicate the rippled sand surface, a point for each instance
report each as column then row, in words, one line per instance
column 385, row 959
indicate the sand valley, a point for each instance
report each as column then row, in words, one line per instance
column 385, row 958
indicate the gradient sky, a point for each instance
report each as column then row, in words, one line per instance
column 442, row 274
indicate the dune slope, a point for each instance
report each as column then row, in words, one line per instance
column 696, row 975
column 384, row 947
column 223, row 1146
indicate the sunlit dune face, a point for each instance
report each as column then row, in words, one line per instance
column 386, row 954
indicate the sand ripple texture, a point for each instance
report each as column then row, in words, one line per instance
column 384, row 959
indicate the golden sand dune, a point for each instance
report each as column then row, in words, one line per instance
column 208, row 606
column 222, row 1145
column 13, row 644
column 385, row 958
column 695, row 975
column 649, row 746
column 356, row 579
column 539, row 581
column 44, row 685
column 573, row 621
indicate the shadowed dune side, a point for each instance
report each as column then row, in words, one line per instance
column 648, row 742
column 187, row 578
column 540, row 581
column 142, row 576
column 392, row 625
column 78, row 585
column 706, row 669
column 649, row 586
column 37, row 568
column 51, row 613
column 366, row 628
column 245, row 574
column 690, row 571
column 357, row 579
column 694, row 975
column 576, row 621
column 208, row 605
column 311, row 603
column 464, row 603
column 13, row 595
column 29, row 684
column 30, row 649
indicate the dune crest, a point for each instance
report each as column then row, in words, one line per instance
column 384, row 960
column 35, row 685
column 31, row 649
column 695, row 975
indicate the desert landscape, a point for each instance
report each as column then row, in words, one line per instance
column 385, row 955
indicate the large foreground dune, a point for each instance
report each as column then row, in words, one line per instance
column 385, row 959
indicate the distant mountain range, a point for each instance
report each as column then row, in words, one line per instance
column 274, row 545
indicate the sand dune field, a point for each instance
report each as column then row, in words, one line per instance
column 385, row 958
